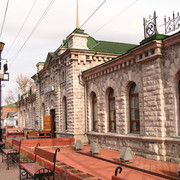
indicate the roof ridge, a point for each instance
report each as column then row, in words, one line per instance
column 116, row 42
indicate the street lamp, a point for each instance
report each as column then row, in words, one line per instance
column 1, row 49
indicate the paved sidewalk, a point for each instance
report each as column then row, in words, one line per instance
column 11, row 174
column 104, row 165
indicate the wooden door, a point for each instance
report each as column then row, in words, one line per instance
column 48, row 124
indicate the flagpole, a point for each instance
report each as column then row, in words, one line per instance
column 77, row 16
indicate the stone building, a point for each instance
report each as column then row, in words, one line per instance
column 133, row 100
column 26, row 111
column 59, row 88
column 114, row 94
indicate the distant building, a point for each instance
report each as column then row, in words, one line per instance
column 26, row 111
column 11, row 120
column 6, row 111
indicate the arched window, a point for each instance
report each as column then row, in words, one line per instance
column 65, row 113
column 134, row 109
column 112, row 111
column 94, row 112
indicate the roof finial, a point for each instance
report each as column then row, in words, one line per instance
column 77, row 20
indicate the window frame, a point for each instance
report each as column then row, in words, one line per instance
column 132, row 97
column 110, row 100
column 94, row 120
column 65, row 113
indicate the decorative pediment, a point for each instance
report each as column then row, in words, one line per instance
column 52, row 56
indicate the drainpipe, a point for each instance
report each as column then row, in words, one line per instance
column 66, row 85
column 65, row 73
column 40, row 103
column 83, row 83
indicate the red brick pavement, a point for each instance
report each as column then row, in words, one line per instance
column 141, row 168
column 103, row 165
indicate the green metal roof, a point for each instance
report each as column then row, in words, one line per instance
column 64, row 44
column 79, row 31
column 54, row 55
column 110, row 47
column 103, row 46
column 154, row 37
column 10, row 105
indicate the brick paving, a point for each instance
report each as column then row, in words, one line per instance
column 103, row 166
column 11, row 174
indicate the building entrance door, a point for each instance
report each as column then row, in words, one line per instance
column 49, row 123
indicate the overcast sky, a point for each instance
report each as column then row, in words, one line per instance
column 116, row 20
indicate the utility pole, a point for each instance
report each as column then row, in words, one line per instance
column 1, row 49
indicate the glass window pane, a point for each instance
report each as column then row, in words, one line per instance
column 112, row 112
column 136, row 101
column 131, row 102
column 138, row 126
column 94, row 111
column 133, row 126
column 94, row 98
column 136, row 114
column 112, row 115
column 135, row 89
column 95, row 126
column 134, row 108
column 112, row 105
column 112, row 126
column 132, row 114
column 111, row 94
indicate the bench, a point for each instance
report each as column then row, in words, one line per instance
column 11, row 155
column 34, row 170
column 14, row 132
column 38, row 134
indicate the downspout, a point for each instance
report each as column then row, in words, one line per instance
column 83, row 83
column 66, row 86
column 65, row 73
column 40, row 119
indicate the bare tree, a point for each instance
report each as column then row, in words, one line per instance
column 10, row 98
column 24, row 85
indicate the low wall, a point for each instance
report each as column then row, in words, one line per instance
column 164, row 149
column 63, row 171
column 48, row 142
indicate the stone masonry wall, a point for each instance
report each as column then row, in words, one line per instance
column 171, row 74
column 157, row 81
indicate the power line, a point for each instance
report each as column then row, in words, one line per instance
column 112, row 19
column 93, row 14
column 4, row 18
column 21, row 28
column 36, row 26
